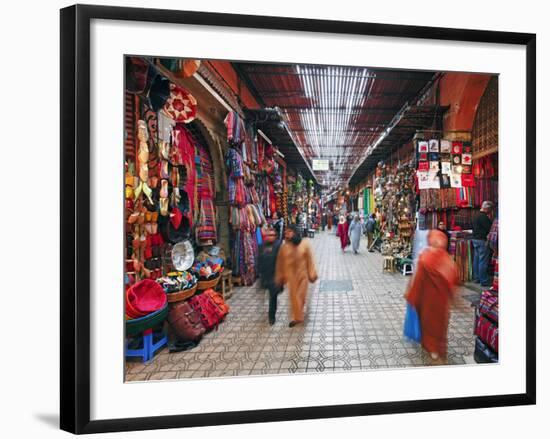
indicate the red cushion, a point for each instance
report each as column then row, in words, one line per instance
column 144, row 297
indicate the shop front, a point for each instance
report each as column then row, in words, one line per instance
column 201, row 183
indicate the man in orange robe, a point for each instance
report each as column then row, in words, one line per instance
column 295, row 267
column 430, row 293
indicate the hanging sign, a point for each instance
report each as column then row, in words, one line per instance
column 320, row 164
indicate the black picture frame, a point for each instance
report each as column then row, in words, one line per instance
column 75, row 217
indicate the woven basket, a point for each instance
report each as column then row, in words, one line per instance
column 137, row 326
column 205, row 284
column 181, row 295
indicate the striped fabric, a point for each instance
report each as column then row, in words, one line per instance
column 488, row 305
column 487, row 331
column 206, row 228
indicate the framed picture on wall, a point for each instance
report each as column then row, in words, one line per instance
column 205, row 251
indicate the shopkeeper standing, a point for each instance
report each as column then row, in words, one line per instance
column 482, row 225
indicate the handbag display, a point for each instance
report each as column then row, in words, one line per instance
column 207, row 310
column 185, row 322
column 217, row 300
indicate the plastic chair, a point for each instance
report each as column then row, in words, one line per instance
column 406, row 267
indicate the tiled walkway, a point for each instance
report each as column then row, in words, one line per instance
column 354, row 321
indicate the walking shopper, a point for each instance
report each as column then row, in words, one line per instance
column 267, row 259
column 323, row 220
column 278, row 225
column 355, row 232
column 482, row 226
column 295, row 268
column 342, row 232
column 369, row 229
column 329, row 220
column 420, row 242
column 430, row 293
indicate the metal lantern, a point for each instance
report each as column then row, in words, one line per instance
column 183, row 255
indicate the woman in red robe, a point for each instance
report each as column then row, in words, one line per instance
column 430, row 293
column 343, row 233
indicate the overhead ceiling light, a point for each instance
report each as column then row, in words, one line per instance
column 334, row 92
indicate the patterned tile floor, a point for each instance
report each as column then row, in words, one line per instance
column 354, row 321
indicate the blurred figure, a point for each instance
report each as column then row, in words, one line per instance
column 342, row 232
column 430, row 293
column 295, row 267
column 369, row 229
column 354, row 232
column 267, row 259
column 420, row 242
column 335, row 219
column 278, row 224
column 329, row 220
column 482, row 226
column 323, row 220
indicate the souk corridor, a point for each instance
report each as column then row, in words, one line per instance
column 354, row 321
column 223, row 159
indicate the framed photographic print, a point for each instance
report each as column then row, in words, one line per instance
column 249, row 232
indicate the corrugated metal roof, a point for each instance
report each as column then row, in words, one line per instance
column 334, row 112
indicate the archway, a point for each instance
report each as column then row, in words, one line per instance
column 215, row 146
column 462, row 92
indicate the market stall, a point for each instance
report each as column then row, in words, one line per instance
column 452, row 186
column 171, row 219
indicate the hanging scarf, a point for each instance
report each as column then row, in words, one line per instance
column 206, row 229
column 183, row 142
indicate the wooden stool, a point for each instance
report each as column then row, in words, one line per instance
column 389, row 264
column 226, row 283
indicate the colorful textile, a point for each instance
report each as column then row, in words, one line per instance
column 464, row 258
column 492, row 237
column 206, row 179
column 206, row 228
column 180, row 106
column 488, row 305
column 495, row 274
column 248, row 257
column 487, row 331
column 464, row 196
column 484, row 167
column 234, row 163
column 235, row 128
column 485, row 189
column 184, row 144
